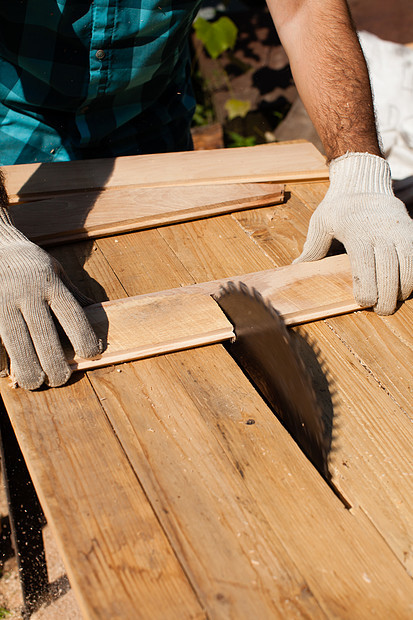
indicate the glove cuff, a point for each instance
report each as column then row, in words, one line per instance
column 8, row 232
column 360, row 173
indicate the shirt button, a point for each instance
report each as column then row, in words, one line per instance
column 100, row 54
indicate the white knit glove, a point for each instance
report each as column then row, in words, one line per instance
column 361, row 211
column 31, row 286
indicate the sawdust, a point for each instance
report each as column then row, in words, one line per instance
column 61, row 603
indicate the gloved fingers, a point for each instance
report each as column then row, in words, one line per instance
column 363, row 267
column 77, row 294
column 318, row 241
column 47, row 343
column 405, row 254
column 74, row 322
column 25, row 368
column 387, row 274
column 4, row 361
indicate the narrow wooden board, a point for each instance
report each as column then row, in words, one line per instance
column 279, row 232
column 211, row 249
column 83, row 215
column 165, row 321
column 118, row 559
column 267, row 162
column 384, row 345
column 371, row 462
column 180, row 407
column 137, row 327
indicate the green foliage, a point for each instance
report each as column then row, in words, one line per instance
column 237, row 107
column 236, row 140
column 4, row 612
column 203, row 115
column 218, row 36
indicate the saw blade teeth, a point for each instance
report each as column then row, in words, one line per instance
column 244, row 288
column 258, row 296
column 231, row 287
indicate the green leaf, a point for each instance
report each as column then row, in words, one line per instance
column 237, row 140
column 216, row 36
column 237, row 107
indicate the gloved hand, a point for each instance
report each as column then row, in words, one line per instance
column 30, row 286
column 361, row 211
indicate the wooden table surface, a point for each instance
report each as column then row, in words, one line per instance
column 171, row 488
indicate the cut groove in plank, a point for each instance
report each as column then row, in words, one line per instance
column 147, row 325
column 92, row 214
column 265, row 162
column 371, row 459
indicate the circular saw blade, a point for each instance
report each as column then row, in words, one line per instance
column 264, row 350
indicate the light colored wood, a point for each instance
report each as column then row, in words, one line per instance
column 118, row 559
column 96, row 214
column 83, row 258
column 343, row 562
column 280, row 232
column 175, row 319
column 137, row 327
column 371, row 356
column 371, row 462
column 384, row 345
column 237, row 561
column 144, row 264
column 267, row 162
column 180, row 407
column 311, row 194
column 213, row 248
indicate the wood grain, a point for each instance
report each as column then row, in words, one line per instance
column 279, row 232
column 137, row 327
column 238, row 564
column 371, row 462
column 95, row 214
column 368, row 361
column 239, row 490
column 268, row 162
column 145, row 325
column 117, row 556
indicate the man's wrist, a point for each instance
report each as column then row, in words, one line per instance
column 360, row 173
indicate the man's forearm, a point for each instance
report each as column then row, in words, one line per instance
column 4, row 200
column 330, row 72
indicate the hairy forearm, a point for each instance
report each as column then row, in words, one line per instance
column 4, row 200
column 330, row 72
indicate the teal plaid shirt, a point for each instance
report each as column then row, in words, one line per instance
column 83, row 79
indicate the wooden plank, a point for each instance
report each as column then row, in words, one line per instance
column 174, row 319
column 119, row 562
column 84, row 215
column 311, row 194
column 371, row 460
column 384, row 345
column 138, row 327
column 214, row 248
column 238, row 565
column 280, row 232
column 266, row 162
column 82, row 259
column 144, row 263
column 167, row 402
